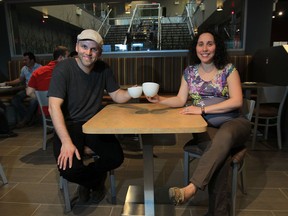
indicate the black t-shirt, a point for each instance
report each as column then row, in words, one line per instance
column 82, row 93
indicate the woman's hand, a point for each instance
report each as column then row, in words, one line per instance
column 191, row 110
column 154, row 99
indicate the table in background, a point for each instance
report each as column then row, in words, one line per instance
column 250, row 88
column 144, row 118
column 10, row 90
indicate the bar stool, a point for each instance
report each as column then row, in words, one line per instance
column 2, row 174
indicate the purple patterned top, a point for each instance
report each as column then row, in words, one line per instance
column 200, row 89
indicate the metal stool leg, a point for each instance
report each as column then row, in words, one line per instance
column 186, row 168
column 112, row 187
column 64, row 186
column 3, row 176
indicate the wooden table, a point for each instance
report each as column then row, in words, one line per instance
column 7, row 90
column 143, row 118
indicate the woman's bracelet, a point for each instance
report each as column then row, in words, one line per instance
column 203, row 110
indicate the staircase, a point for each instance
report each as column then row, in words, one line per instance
column 175, row 36
column 116, row 35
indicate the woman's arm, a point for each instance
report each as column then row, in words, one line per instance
column 177, row 101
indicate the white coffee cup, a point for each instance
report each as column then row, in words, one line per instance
column 150, row 89
column 135, row 91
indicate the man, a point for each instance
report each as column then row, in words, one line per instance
column 40, row 79
column 25, row 114
column 75, row 95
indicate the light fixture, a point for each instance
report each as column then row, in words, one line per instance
column 202, row 7
column 45, row 16
column 219, row 8
column 219, row 5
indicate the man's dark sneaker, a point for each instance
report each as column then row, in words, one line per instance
column 84, row 194
column 98, row 195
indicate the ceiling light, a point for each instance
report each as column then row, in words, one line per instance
column 219, row 8
column 280, row 13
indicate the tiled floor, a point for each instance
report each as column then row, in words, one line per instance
column 33, row 179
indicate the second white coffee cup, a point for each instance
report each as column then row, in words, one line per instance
column 150, row 89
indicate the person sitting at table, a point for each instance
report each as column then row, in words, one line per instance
column 5, row 130
column 75, row 95
column 26, row 115
column 40, row 79
column 215, row 89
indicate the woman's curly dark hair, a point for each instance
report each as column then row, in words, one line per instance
column 221, row 55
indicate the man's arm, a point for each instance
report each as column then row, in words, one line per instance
column 15, row 81
column 68, row 149
column 120, row 96
column 30, row 92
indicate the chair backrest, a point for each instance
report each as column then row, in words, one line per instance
column 272, row 94
column 248, row 108
column 42, row 100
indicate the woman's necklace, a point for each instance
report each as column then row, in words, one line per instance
column 207, row 74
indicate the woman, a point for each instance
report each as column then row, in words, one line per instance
column 215, row 88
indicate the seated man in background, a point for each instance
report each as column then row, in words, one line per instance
column 40, row 78
column 25, row 114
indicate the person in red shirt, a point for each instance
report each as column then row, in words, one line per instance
column 40, row 78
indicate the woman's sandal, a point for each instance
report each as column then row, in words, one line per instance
column 176, row 195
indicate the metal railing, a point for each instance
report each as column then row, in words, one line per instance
column 105, row 26
column 137, row 17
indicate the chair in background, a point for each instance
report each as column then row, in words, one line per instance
column 192, row 152
column 2, row 174
column 268, row 111
column 46, row 120
column 67, row 201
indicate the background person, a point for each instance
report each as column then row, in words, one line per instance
column 25, row 114
column 215, row 89
column 75, row 95
column 40, row 79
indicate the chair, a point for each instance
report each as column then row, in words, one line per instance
column 268, row 112
column 64, row 186
column 192, row 152
column 47, row 122
column 2, row 174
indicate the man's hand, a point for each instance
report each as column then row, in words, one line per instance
column 66, row 156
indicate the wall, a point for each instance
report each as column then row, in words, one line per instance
column 5, row 48
column 259, row 14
